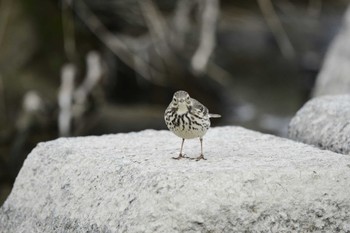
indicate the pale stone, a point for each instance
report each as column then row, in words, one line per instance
column 334, row 78
column 129, row 183
column 324, row 122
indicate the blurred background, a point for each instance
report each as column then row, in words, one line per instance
column 86, row 67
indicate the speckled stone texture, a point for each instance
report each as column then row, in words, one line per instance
column 334, row 78
column 324, row 122
column 129, row 183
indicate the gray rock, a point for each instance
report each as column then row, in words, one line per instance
column 334, row 78
column 129, row 183
column 324, row 122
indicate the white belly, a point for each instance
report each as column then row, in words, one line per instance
column 189, row 133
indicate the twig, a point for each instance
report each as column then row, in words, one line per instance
column 207, row 36
column 65, row 97
column 113, row 42
column 277, row 29
column 181, row 22
column 154, row 20
column 93, row 75
column 159, row 32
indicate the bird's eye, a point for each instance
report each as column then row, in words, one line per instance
column 174, row 99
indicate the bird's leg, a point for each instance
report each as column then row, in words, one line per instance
column 201, row 155
column 181, row 155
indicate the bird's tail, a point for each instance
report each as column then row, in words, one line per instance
column 214, row 115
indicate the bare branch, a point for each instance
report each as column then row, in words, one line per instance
column 65, row 99
column 154, row 20
column 159, row 33
column 181, row 22
column 112, row 41
column 93, row 75
column 277, row 29
column 207, row 36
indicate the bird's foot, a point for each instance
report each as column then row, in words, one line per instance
column 181, row 156
column 200, row 157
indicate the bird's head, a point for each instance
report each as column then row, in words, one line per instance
column 181, row 100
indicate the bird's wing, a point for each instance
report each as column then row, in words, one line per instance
column 198, row 107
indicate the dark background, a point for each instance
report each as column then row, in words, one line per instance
column 261, row 71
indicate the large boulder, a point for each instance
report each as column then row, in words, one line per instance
column 324, row 122
column 129, row 183
column 334, row 78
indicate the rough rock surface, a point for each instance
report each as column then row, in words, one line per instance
column 334, row 78
column 129, row 183
column 324, row 122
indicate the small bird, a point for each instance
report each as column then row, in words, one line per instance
column 187, row 118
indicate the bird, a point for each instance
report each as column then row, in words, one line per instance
column 187, row 118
